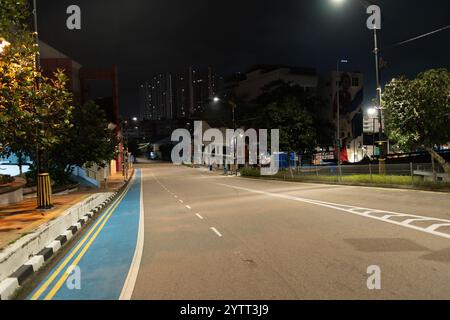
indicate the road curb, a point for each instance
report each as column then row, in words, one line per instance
column 9, row 286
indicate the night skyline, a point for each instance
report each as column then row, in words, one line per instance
column 225, row 159
column 145, row 38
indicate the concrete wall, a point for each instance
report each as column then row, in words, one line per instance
column 18, row 253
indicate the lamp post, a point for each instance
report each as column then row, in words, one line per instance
column 233, row 106
column 338, row 105
column 372, row 112
column 44, row 190
column 125, row 152
column 366, row 5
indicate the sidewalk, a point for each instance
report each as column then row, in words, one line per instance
column 22, row 218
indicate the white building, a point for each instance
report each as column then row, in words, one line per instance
column 260, row 76
column 351, row 112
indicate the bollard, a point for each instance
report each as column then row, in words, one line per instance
column 44, row 191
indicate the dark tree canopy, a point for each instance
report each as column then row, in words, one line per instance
column 417, row 112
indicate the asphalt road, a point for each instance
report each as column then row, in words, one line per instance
column 212, row 237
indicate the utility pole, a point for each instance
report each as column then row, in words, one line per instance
column 338, row 104
column 233, row 108
column 381, row 142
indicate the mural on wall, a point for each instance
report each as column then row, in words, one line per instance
column 351, row 116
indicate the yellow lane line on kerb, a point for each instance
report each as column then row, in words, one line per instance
column 77, row 248
column 65, row 275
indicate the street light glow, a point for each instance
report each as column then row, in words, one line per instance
column 372, row 111
column 3, row 44
column 216, row 99
column 338, row 2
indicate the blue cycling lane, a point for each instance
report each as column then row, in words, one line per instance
column 99, row 265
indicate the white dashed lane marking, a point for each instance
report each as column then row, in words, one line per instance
column 188, row 207
column 199, row 216
column 216, row 232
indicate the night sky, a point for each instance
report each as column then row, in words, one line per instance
column 144, row 37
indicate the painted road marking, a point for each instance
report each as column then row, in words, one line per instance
column 44, row 287
column 199, row 216
column 181, row 201
column 189, row 207
column 389, row 216
column 351, row 209
column 94, row 230
column 434, row 227
column 130, row 282
column 409, row 221
column 65, row 275
column 216, row 232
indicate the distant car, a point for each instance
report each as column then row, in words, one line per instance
column 153, row 156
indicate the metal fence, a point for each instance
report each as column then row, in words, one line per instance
column 415, row 171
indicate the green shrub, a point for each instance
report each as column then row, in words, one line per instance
column 250, row 172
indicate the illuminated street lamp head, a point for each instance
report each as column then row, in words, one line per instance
column 216, row 99
column 3, row 44
column 337, row 2
column 134, row 119
column 372, row 111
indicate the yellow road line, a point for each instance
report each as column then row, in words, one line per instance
column 65, row 275
column 77, row 248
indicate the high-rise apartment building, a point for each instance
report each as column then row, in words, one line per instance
column 168, row 96
column 156, row 98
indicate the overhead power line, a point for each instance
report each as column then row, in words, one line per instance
column 419, row 37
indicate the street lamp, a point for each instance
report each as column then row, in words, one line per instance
column 44, row 190
column 338, row 105
column 376, row 50
column 372, row 111
column 233, row 107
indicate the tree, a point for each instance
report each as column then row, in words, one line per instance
column 133, row 147
column 17, row 74
column 417, row 112
column 294, row 111
column 296, row 124
column 35, row 111
column 87, row 142
column 307, row 105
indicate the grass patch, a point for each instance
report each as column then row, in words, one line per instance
column 356, row 179
column 250, row 172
